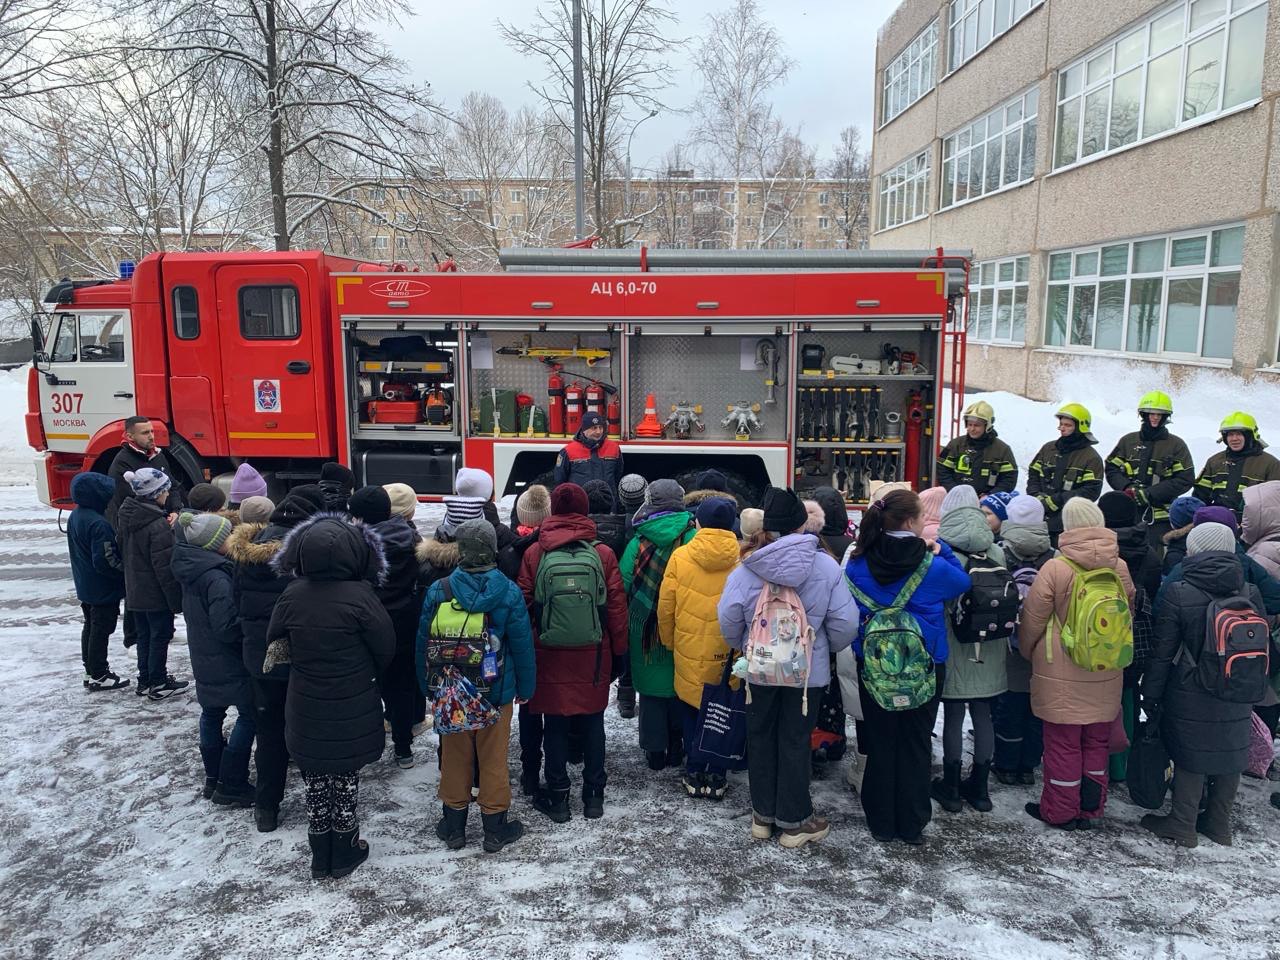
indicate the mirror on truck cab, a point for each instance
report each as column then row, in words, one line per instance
column 37, row 339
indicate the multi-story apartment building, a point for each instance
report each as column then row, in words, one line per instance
column 1115, row 166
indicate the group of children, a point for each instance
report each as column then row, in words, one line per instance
column 327, row 619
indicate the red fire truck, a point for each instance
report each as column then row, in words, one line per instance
column 794, row 368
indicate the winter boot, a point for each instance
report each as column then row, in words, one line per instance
column 1180, row 825
column 1275, row 800
column 229, row 795
column 946, row 789
column 234, row 788
column 321, row 853
column 717, row 786
column 452, row 828
column 657, row 759
column 675, row 752
column 626, row 702
column 974, row 787
column 1008, row 777
column 554, row 803
column 1027, row 778
column 1033, row 810
column 210, row 787
column 1215, row 823
column 592, row 803
column 694, row 784
column 211, row 757
column 267, row 818
column 404, row 757
column 813, row 829
column 499, row 831
column 349, row 851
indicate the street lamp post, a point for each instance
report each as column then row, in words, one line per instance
column 626, row 187
column 579, row 183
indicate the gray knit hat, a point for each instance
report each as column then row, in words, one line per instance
column 147, row 482
column 477, row 546
column 209, row 531
column 256, row 510
column 631, row 492
column 961, row 495
column 533, row 506
column 1210, row 536
column 661, row 496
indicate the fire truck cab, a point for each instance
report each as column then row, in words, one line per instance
column 789, row 368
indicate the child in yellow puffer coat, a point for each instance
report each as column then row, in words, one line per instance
column 689, row 626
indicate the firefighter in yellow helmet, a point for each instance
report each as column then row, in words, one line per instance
column 1152, row 465
column 978, row 457
column 1244, row 463
column 1067, row 467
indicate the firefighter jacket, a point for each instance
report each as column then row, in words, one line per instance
column 1156, row 464
column 986, row 464
column 581, row 463
column 1226, row 474
column 1064, row 468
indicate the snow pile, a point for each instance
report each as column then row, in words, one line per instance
column 15, row 454
column 1110, row 389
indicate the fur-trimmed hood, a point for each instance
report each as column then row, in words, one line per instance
column 438, row 553
column 695, row 497
column 242, row 549
column 328, row 546
column 1178, row 533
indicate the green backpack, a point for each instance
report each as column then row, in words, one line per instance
column 1098, row 631
column 569, row 595
column 897, row 668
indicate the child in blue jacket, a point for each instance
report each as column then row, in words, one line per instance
column 477, row 586
column 98, row 575
column 895, row 788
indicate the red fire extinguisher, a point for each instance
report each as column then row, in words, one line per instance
column 555, row 403
column 595, row 398
column 613, row 415
column 572, row 408
column 915, row 423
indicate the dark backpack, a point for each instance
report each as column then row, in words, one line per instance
column 989, row 611
column 1235, row 658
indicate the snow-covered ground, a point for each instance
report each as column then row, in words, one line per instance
column 109, row 851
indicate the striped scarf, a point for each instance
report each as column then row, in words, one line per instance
column 642, row 604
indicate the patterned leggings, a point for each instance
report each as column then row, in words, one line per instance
column 331, row 801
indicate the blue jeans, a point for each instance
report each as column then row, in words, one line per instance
column 155, row 630
column 689, row 723
column 226, row 760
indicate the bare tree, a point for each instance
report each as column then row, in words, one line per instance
column 783, row 166
column 625, row 45
column 320, row 97
column 740, row 62
column 849, row 201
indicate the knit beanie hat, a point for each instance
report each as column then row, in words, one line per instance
column 931, row 504
column 1222, row 515
column 246, row 483
column 477, row 546
column 783, row 511
column 815, row 516
column 1211, row 536
column 472, row 482
column 1080, row 512
column 998, row 503
column 339, row 474
column 590, row 419
column 256, row 510
column 569, row 498
column 404, row 499
column 716, row 513
column 311, row 493
column 1183, row 510
column 533, row 506
column 661, row 496
column 206, row 498
column 631, row 491
column 1118, row 510
column 458, row 510
column 208, row 531
column 370, row 504
column 147, row 482
column 961, row 495
column 751, row 522
column 599, row 496
column 1025, row 511
column 712, row 480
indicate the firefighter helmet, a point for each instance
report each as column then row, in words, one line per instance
column 1239, row 421
column 981, row 410
column 1156, row 402
column 1078, row 413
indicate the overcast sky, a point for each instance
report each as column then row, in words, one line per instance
column 456, row 47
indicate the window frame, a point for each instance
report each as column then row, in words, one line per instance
column 1106, row 82
column 919, row 54
column 952, row 152
column 1167, row 275
column 896, row 181
column 297, row 310
column 978, row 292
column 969, row 12
column 173, row 305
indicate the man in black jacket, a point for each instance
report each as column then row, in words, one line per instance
column 139, row 450
column 257, row 587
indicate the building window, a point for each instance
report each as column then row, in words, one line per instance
column 730, row 198
column 1191, row 62
column 998, row 300
column 911, row 74
column 378, row 194
column 379, row 244
column 269, row 313
column 642, row 196
column 975, row 23
column 402, row 244
column 186, row 313
column 903, row 192
column 471, row 196
column 682, row 196
column 517, row 196
column 1172, row 296
column 824, row 223
column 682, row 222
column 704, row 196
column 752, row 197
column 517, row 221
column 996, row 151
column 824, row 198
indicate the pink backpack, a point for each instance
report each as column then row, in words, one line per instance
column 1260, row 750
column 779, row 648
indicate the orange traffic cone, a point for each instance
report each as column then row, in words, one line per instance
column 649, row 425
